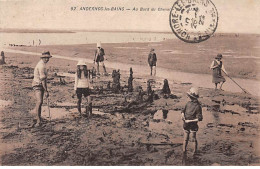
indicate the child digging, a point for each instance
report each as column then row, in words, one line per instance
column 82, row 86
column 191, row 115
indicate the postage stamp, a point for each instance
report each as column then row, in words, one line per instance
column 193, row 21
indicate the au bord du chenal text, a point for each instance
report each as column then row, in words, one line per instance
column 91, row 9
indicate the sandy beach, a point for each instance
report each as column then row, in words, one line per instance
column 123, row 131
column 131, row 117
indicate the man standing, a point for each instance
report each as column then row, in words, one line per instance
column 99, row 58
column 39, row 84
column 152, row 59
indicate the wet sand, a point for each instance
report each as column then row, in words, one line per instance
column 199, row 80
column 120, row 133
column 240, row 54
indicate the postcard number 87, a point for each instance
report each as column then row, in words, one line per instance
column 73, row 8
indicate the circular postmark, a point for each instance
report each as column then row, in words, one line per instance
column 193, row 21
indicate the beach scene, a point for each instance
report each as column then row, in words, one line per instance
column 136, row 115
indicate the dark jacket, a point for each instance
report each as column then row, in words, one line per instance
column 152, row 59
column 99, row 55
column 193, row 110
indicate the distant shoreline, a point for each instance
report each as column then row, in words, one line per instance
column 72, row 31
column 11, row 30
column 33, row 31
column 123, row 31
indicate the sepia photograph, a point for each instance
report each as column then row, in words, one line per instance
column 129, row 83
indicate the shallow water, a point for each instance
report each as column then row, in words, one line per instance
column 55, row 113
column 172, row 121
column 60, row 113
column 80, row 38
column 233, row 108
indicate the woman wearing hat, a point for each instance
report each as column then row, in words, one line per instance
column 152, row 59
column 191, row 115
column 82, row 86
column 217, row 66
column 39, row 83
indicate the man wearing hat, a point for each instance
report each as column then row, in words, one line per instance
column 152, row 59
column 191, row 115
column 39, row 83
column 99, row 58
column 217, row 66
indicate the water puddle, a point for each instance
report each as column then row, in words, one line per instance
column 55, row 113
column 170, row 120
column 59, row 113
column 161, row 114
column 165, row 120
column 234, row 109
column 230, row 120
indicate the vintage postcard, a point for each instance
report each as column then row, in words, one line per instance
column 129, row 82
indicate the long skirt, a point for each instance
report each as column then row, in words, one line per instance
column 217, row 76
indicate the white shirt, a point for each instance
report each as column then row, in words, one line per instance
column 40, row 73
column 82, row 82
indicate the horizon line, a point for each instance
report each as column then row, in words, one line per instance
column 71, row 30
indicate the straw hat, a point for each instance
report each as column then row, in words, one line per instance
column 99, row 44
column 219, row 56
column 81, row 62
column 194, row 92
column 46, row 54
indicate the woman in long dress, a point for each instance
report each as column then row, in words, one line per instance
column 217, row 67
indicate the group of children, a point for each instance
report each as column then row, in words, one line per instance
column 191, row 114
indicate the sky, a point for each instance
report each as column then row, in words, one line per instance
column 238, row 16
